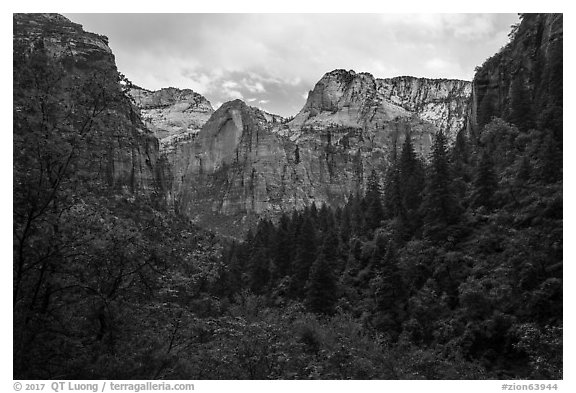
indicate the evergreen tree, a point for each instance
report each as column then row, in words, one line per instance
column 323, row 219
column 523, row 171
column 232, row 276
column 460, row 161
column 258, row 270
column 282, row 249
column 373, row 198
column 313, row 213
column 321, row 291
column 389, row 295
column 345, row 225
column 305, row 256
column 411, row 186
column 392, row 190
column 461, row 158
column 440, row 208
column 549, row 160
column 485, row 182
column 356, row 215
column 331, row 248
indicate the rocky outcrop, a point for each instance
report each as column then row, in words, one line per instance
column 523, row 82
column 353, row 99
column 174, row 115
column 231, row 172
column 442, row 102
column 228, row 168
column 73, row 73
column 240, row 167
column 347, row 99
column 245, row 164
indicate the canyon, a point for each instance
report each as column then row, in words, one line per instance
column 243, row 164
column 227, row 168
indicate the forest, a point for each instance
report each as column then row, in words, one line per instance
column 445, row 267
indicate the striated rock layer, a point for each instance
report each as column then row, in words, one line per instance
column 244, row 165
column 173, row 115
column 359, row 100
column 79, row 82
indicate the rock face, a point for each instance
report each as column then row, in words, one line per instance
column 245, row 164
column 79, row 82
column 231, row 171
column 359, row 100
column 511, row 78
column 226, row 169
column 442, row 102
column 173, row 115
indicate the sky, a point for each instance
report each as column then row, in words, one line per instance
column 272, row 61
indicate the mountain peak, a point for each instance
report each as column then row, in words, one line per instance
column 236, row 104
column 352, row 99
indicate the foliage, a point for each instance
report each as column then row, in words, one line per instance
column 450, row 269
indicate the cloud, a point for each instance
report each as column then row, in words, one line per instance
column 274, row 57
column 442, row 67
column 253, row 87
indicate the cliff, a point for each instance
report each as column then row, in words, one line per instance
column 359, row 100
column 245, row 164
column 226, row 169
column 241, row 167
column 522, row 83
column 66, row 81
column 173, row 115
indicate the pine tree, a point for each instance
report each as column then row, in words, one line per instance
column 305, row 256
column 321, row 290
column 282, row 250
column 258, row 271
column 356, row 215
column 312, row 212
column 331, row 248
column 323, row 219
column 389, row 295
column 524, row 170
column 373, row 198
column 440, row 207
column 549, row 160
column 460, row 160
column 461, row 157
column 232, row 277
column 392, row 191
column 345, row 225
column 411, row 186
column 485, row 182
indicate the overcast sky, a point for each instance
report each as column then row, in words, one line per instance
column 272, row 60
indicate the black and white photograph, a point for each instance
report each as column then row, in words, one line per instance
column 287, row 196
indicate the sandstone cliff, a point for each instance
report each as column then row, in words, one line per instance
column 173, row 115
column 66, row 79
column 522, row 83
column 359, row 100
column 245, row 164
column 241, row 167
